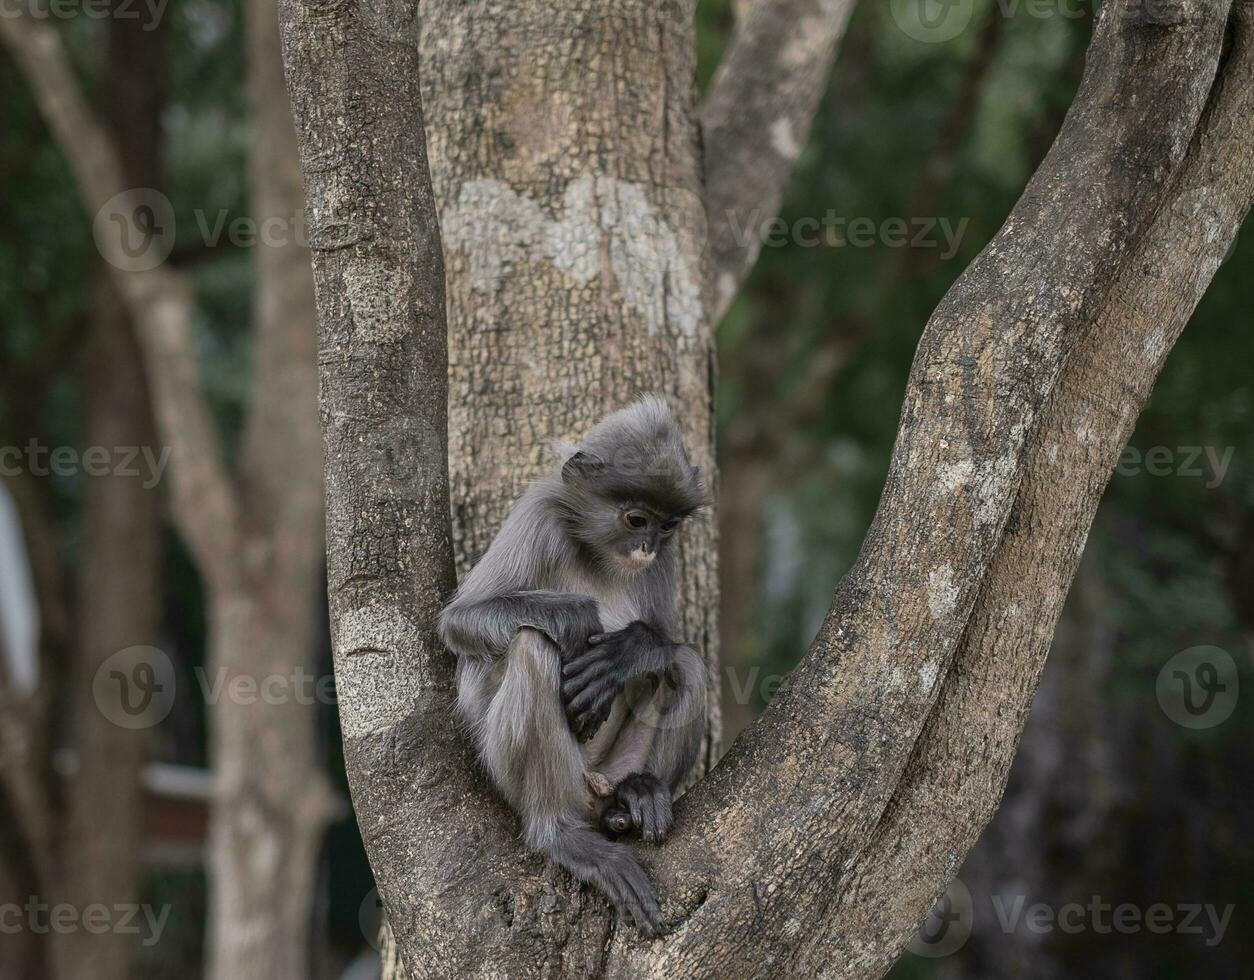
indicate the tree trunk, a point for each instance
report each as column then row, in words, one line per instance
column 818, row 844
column 119, row 596
column 574, row 234
column 119, row 607
column 270, row 804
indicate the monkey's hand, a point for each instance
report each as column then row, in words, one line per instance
column 641, row 801
column 592, row 680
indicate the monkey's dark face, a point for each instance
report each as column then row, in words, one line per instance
column 623, row 535
column 642, row 533
column 627, row 522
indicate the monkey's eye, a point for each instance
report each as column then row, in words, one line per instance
column 635, row 520
column 668, row 527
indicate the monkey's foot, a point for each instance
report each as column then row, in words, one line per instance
column 648, row 802
column 598, row 783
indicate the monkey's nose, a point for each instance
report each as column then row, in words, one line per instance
column 640, row 558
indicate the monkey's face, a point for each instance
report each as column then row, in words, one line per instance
column 626, row 512
column 625, row 535
column 640, row 534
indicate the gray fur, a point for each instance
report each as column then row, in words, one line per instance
column 566, row 566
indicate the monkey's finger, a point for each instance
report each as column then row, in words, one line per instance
column 648, row 825
column 573, row 685
column 592, row 695
column 662, row 815
column 605, row 653
column 599, row 683
column 646, row 911
column 592, row 666
column 596, row 638
column 584, row 720
column 636, row 807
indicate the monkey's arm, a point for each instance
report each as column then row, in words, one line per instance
column 594, row 677
column 485, row 627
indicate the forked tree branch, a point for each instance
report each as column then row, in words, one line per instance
column 764, row 849
column 962, row 758
column 755, row 120
column 159, row 301
column 770, row 836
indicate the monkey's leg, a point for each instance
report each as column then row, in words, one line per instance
column 659, row 744
column 527, row 746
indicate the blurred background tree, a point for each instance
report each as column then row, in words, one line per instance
column 1108, row 796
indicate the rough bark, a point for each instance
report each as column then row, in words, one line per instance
column 754, row 122
column 253, row 534
column 958, row 769
column 766, row 847
column 353, row 78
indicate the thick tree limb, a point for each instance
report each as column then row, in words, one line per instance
column 809, row 781
column 158, row 300
column 962, row 758
column 353, row 78
column 754, row 122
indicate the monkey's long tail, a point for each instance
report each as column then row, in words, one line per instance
column 608, row 866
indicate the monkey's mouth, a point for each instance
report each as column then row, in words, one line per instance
column 636, row 561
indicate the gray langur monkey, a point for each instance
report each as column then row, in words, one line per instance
column 584, row 710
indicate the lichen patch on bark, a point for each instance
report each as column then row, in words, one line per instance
column 605, row 224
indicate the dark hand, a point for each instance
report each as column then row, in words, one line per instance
column 592, row 680
column 642, row 801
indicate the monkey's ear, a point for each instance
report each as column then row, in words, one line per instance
column 581, row 466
